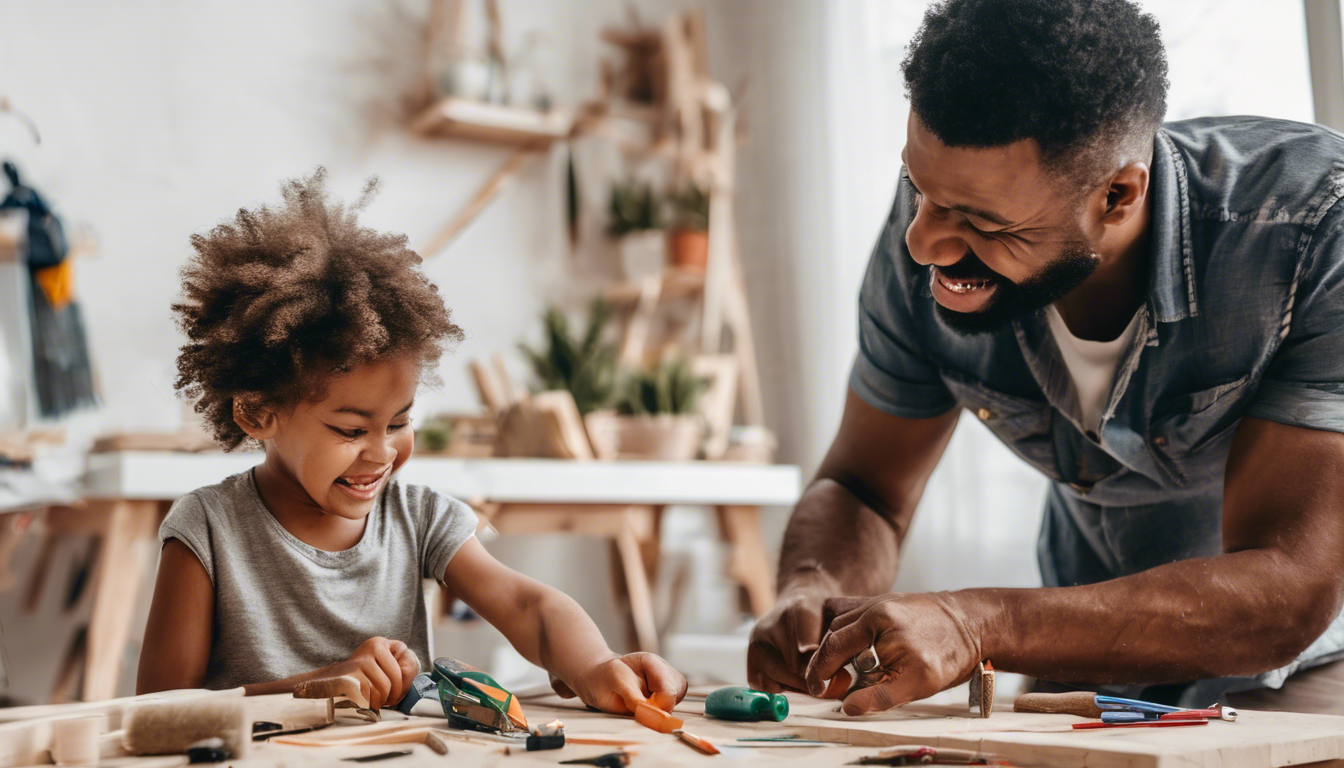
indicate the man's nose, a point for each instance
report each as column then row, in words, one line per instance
column 931, row 239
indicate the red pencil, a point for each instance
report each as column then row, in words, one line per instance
column 1143, row 724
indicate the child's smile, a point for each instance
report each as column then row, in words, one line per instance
column 364, row 487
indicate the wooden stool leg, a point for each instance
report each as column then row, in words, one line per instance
column 637, row 588
column 748, row 564
column 117, row 576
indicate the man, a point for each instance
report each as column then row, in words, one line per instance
column 1151, row 315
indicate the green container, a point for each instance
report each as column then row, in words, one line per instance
column 738, row 702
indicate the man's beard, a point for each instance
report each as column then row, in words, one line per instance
column 1012, row 300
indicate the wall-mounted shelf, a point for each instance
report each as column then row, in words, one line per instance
column 495, row 123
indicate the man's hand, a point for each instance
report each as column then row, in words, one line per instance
column 923, row 641
column 783, row 641
column 619, row 683
column 384, row 668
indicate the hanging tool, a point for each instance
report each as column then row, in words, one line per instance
column 738, row 702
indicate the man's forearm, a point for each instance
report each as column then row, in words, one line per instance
column 1236, row 614
column 837, row 543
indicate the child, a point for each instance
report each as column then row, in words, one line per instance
column 309, row 334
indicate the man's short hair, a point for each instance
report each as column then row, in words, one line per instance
column 1087, row 79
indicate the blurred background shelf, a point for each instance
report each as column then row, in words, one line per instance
column 495, row 123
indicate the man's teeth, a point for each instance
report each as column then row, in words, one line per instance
column 964, row 286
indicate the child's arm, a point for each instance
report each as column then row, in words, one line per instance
column 549, row 629
column 181, row 618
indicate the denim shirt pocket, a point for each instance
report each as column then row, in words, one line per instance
column 1188, row 425
column 1024, row 424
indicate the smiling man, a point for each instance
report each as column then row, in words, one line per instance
column 1152, row 315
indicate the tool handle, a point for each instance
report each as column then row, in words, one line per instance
column 1117, row 703
column 1124, row 716
column 1081, row 703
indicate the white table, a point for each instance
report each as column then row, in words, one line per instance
column 129, row 492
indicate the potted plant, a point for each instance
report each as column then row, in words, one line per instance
column 655, row 418
column 584, row 365
column 688, row 241
column 637, row 224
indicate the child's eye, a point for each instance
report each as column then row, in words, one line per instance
column 349, row 434
column 395, row 427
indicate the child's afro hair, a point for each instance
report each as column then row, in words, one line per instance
column 282, row 298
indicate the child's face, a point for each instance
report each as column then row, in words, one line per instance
column 343, row 449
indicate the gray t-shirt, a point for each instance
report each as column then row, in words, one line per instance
column 283, row 607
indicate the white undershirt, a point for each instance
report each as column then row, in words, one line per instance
column 1091, row 365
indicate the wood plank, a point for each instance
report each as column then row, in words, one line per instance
column 1255, row 740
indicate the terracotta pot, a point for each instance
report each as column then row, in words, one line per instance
column 663, row 437
column 688, row 249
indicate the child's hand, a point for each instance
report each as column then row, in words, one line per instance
column 383, row 667
column 617, row 684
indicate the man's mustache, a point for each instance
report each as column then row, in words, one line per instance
column 969, row 268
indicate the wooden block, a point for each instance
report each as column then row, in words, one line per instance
column 650, row 716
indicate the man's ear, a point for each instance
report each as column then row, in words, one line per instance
column 1125, row 194
column 259, row 422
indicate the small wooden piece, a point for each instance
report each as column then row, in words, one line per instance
column 344, row 687
column 489, row 387
column 652, row 717
column 982, row 689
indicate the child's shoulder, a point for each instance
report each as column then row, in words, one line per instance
column 206, row 514
column 211, row 505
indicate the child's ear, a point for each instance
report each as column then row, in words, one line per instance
column 259, row 422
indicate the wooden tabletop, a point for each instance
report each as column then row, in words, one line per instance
column 167, row 475
column 1255, row 740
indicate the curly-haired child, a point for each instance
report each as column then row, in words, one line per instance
column 309, row 334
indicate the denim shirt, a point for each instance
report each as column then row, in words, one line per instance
column 1244, row 315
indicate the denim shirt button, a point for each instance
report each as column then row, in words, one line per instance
column 1159, row 441
column 1083, row 488
column 984, row 414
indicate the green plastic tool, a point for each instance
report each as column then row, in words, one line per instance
column 738, row 702
column 472, row 699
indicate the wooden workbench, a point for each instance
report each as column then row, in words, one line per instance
column 1256, row 740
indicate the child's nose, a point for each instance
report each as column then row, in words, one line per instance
column 381, row 451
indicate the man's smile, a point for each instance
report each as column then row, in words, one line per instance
column 962, row 294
